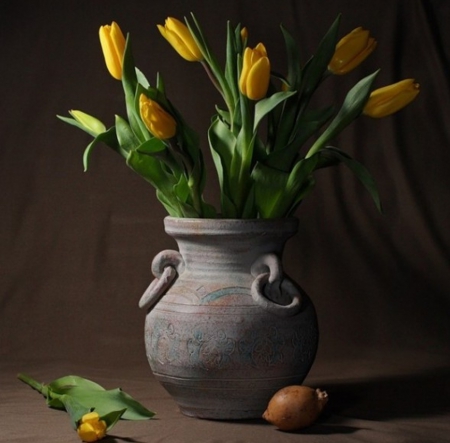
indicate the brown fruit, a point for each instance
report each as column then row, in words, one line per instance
column 295, row 407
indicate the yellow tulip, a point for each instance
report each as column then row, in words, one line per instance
column 92, row 124
column 389, row 99
column 255, row 75
column 91, row 428
column 179, row 36
column 158, row 121
column 113, row 46
column 351, row 50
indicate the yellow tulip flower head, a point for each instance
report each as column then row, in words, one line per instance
column 351, row 50
column 179, row 36
column 113, row 46
column 158, row 121
column 389, row 99
column 91, row 428
column 91, row 124
column 255, row 75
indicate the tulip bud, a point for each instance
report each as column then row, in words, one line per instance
column 244, row 34
column 113, row 46
column 389, row 99
column 255, row 75
column 179, row 36
column 93, row 125
column 91, row 428
column 158, row 121
column 351, row 50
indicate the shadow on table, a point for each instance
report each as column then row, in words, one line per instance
column 113, row 439
column 386, row 398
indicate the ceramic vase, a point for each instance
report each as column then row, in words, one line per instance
column 225, row 326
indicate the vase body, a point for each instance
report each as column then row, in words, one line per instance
column 225, row 327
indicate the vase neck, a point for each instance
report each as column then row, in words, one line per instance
column 228, row 245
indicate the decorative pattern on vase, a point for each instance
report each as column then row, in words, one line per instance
column 210, row 351
column 165, row 342
column 263, row 350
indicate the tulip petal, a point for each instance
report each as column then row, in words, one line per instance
column 112, row 42
column 246, row 65
column 258, row 79
column 185, row 36
column 118, row 40
column 179, row 36
column 351, row 50
column 390, row 99
column 255, row 75
column 158, row 121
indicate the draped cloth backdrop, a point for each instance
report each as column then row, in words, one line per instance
column 76, row 247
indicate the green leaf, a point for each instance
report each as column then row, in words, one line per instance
column 222, row 143
column 231, row 69
column 130, row 86
column 160, row 86
column 352, row 107
column 73, row 122
column 250, row 209
column 169, row 204
column 358, row 169
column 181, row 189
column 269, row 189
column 72, row 406
column 152, row 146
column 79, row 396
column 300, row 183
column 94, row 396
column 112, row 418
column 152, row 170
column 100, row 127
column 282, row 123
column 127, row 140
column 293, row 60
column 109, row 138
column 141, row 79
column 306, row 127
column 264, row 106
column 278, row 192
column 317, row 66
column 307, row 187
column 224, row 115
column 199, row 37
column 129, row 72
column 218, row 76
column 61, row 385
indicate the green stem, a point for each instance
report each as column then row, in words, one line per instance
column 40, row 387
column 195, row 194
column 218, row 80
column 242, row 188
column 189, row 171
column 213, row 78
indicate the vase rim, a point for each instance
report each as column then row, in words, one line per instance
column 223, row 226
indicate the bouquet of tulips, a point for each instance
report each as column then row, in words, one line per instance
column 263, row 172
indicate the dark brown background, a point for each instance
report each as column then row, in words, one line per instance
column 76, row 247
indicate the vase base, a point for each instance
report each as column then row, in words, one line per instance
column 226, row 399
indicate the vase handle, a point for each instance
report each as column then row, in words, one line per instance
column 166, row 266
column 272, row 290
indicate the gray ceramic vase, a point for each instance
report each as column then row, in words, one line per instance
column 225, row 327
